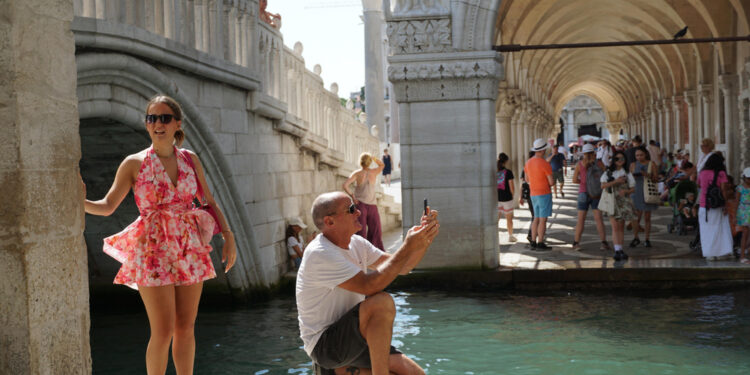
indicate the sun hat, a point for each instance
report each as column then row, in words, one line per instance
column 588, row 147
column 540, row 145
column 298, row 222
column 746, row 172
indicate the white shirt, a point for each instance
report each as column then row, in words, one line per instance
column 702, row 161
column 320, row 302
column 291, row 242
column 617, row 174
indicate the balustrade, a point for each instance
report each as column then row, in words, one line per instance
column 227, row 29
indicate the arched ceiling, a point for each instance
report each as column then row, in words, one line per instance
column 623, row 79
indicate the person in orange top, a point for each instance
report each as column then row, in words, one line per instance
column 539, row 175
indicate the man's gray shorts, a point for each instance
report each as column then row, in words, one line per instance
column 342, row 345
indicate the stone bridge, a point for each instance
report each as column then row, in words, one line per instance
column 269, row 134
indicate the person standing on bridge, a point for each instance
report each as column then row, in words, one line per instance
column 345, row 317
column 165, row 253
column 364, row 198
column 539, row 174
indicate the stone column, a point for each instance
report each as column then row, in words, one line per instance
column 677, row 135
column 446, row 102
column 744, row 129
column 503, row 137
column 374, row 80
column 666, row 141
column 44, row 305
column 690, row 100
column 728, row 86
column 518, row 149
column 707, row 131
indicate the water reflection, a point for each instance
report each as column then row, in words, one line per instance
column 474, row 333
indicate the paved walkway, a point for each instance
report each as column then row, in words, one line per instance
column 669, row 250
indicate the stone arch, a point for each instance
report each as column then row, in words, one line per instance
column 140, row 81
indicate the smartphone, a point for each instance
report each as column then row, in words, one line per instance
column 425, row 206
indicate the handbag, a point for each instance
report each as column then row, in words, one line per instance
column 199, row 194
column 650, row 189
column 607, row 202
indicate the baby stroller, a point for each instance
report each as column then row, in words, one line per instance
column 680, row 223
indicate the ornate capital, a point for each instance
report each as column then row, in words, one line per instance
column 420, row 36
column 728, row 83
column 417, row 8
column 446, row 76
column 704, row 92
column 689, row 97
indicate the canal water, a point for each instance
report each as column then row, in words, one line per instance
column 474, row 333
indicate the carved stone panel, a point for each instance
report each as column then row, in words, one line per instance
column 419, row 36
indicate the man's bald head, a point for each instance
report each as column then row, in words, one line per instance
column 326, row 205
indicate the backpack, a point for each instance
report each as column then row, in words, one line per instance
column 593, row 177
column 714, row 198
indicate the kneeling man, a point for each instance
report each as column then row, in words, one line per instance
column 345, row 318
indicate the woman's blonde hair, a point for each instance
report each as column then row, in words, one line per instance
column 365, row 159
column 179, row 135
column 708, row 142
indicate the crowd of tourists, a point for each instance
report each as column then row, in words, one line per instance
column 627, row 182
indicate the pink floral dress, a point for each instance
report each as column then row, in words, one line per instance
column 166, row 243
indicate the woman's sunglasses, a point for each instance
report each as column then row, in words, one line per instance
column 165, row 119
column 619, row 159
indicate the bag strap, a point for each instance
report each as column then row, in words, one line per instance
column 189, row 160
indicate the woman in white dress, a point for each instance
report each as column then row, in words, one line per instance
column 715, row 230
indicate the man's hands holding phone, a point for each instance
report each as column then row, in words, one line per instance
column 422, row 235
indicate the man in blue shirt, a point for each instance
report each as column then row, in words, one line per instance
column 559, row 169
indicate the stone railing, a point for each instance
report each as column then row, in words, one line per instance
column 222, row 28
column 227, row 30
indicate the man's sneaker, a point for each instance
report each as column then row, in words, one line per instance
column 532, row 245
column 647, row 243
column 542, row 246
column 635, row 242
column 576, row 246
column 605, row 246
column 618, row 256
column 512, row 239
column 623, row 255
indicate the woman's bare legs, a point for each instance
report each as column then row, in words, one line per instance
column 171, row 314
column 509, row 223
column 599, row 219
column 183, row 347
column 160, row 307
column 579, row 225
column 637, row 223
column 647, row 224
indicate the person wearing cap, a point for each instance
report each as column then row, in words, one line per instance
column 743, row 213
column 580, row 177
column 539, row 174
column 294, row 244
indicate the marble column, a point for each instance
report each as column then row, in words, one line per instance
column 666, row 141
column 744, row 129
column 518, row 149
column 707, row 131
column 677, row 126
column 452, row 166
column 504, row 137
column 690, row 100
column 728, row 86
column 44, row 291
column 374, row 78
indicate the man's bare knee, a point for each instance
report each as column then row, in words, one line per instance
column 381, row 304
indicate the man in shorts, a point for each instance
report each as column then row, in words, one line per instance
column 539, row 174
column 345, row 318
column 559, row 169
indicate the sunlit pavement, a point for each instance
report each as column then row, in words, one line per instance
column 670, row 252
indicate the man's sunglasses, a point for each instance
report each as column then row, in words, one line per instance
column 165, row 119
column 352, row 209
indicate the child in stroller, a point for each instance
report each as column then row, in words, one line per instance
column 682, row 198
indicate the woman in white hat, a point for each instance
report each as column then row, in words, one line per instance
column 294, row 244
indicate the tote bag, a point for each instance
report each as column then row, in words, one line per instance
column 607, row 202
column 650, row 189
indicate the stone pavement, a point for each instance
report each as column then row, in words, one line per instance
column 669, row 263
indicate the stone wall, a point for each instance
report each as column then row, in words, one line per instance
column 44, row 316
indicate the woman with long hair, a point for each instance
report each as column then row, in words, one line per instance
column 505, row 191
column 294, row 245
column 715, row 230
column 621, row 184
column 643, row 168
column 165, row 252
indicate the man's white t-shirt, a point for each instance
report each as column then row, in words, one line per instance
column 320, row 302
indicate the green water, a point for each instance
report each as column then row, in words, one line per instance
column 449, row 333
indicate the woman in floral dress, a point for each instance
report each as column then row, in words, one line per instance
column 622, row 184
column 165, row 251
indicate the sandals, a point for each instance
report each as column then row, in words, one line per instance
column 635, row 242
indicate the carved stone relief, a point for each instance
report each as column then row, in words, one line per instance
column 410, row 8
column 419, row 36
